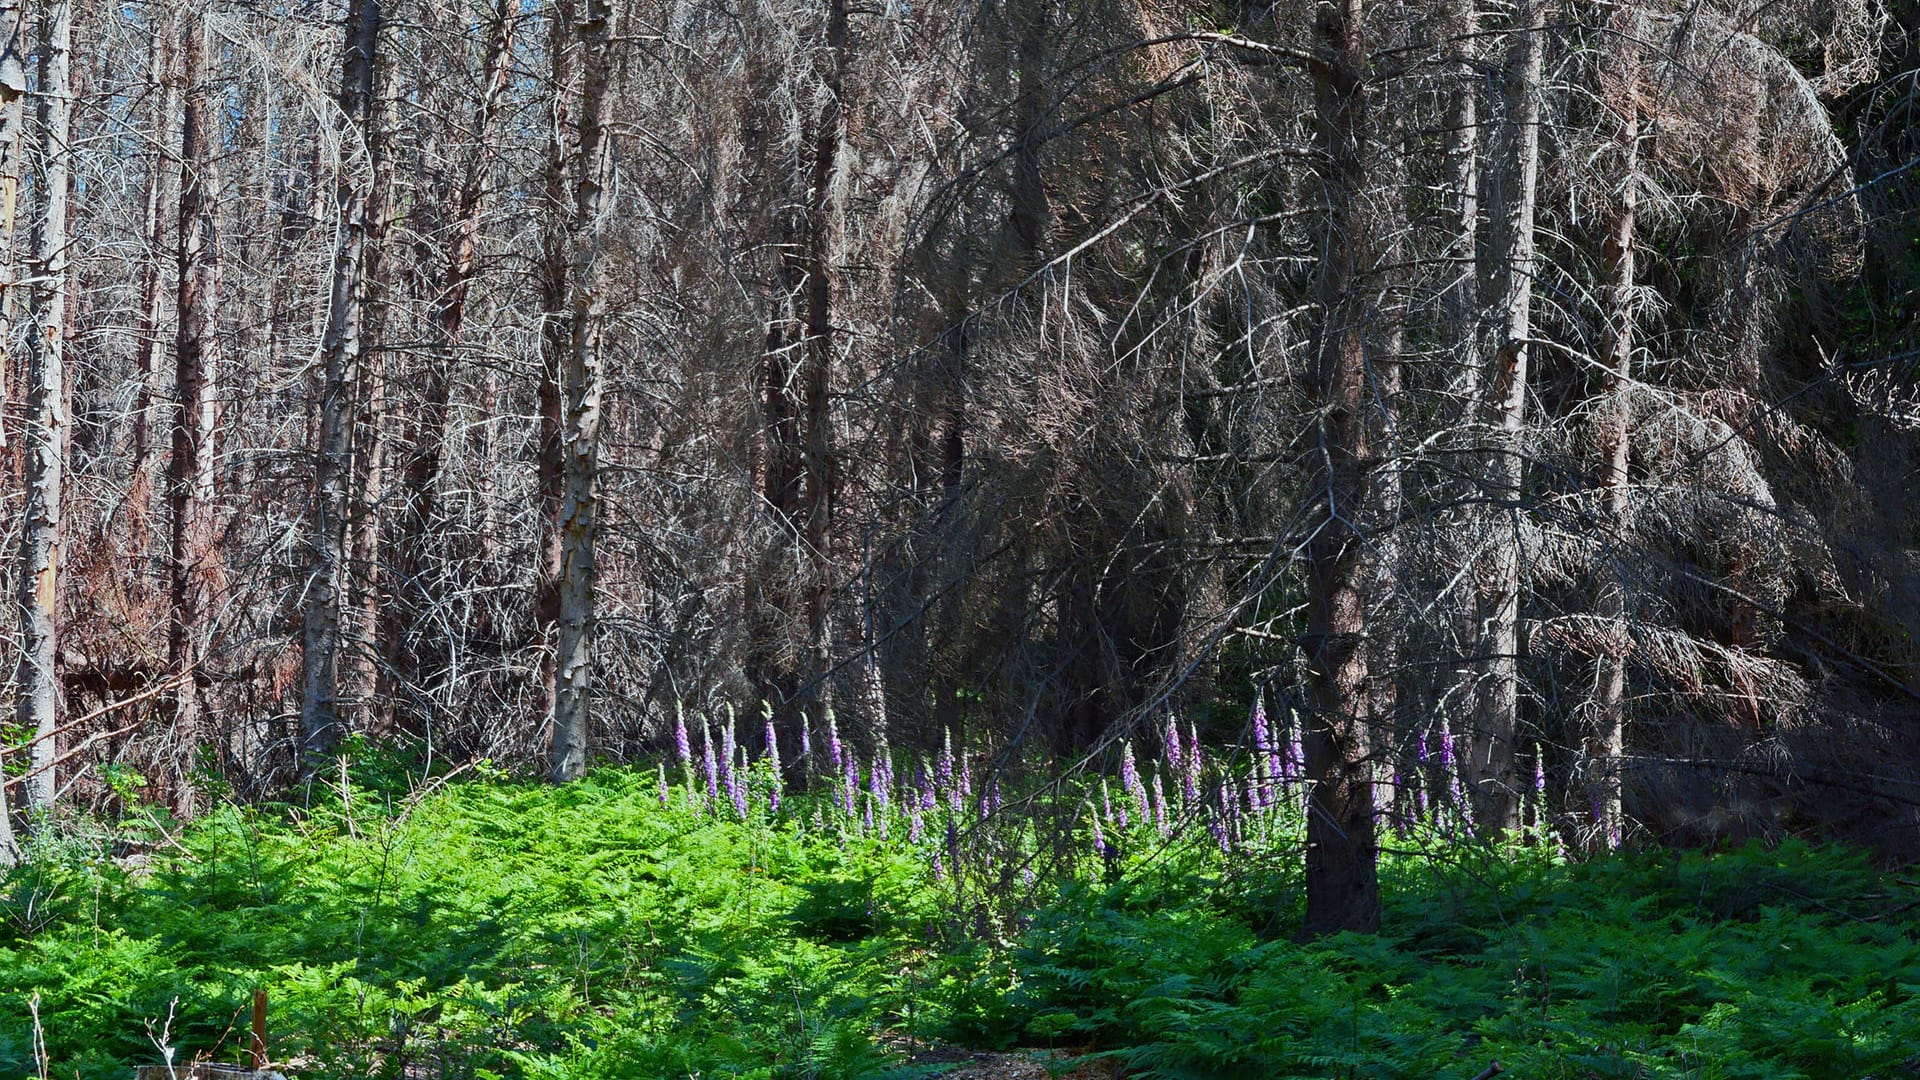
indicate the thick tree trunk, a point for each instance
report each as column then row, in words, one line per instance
column 1489, row 763
column 1343, row 890
column 197, row 574
column 36, row 679
column 342, row 352
column 579, row 388
column 1605, row 738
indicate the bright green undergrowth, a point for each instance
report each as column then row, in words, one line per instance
column 500, row 929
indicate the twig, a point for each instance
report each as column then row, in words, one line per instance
column 1489, row 1072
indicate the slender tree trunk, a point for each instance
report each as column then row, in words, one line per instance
column 1605, row 740
column 36, row 678
column 1343, row 890
column 13, row 89
column 342, row 352
column 1489, row 764
column 149, row 354
column 197, row 575
column 365, row 581
column 579, row 389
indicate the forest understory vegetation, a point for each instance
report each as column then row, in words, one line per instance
column 1206, row 538
column 638, row 924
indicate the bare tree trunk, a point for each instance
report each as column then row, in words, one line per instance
column 13, row 89
column 365, row 581
column 38, row 687
column 1489, row 764
column 148, row 354
column 1605, row 739
column 342, row 351
column 579, row 390
column 197, row 575
column 1343, row 889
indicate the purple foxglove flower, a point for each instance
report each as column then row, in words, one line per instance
column 993, row 797
column 916, row 825
column 966, row 777
column 836, row 754
column 939, row 870
column 1539, row 774
column 773, row 745
column 709, row 768
column 1099, row 839
column 682, row 749
column 806, row 740
column 943, row 772
column 1106, row 802
column 1176, row 755
column 866, row 818
column 1130, row 779
column 663, row 784
column 877, row 781
column 1160, row 805
column 735, row 784
column 850, row 785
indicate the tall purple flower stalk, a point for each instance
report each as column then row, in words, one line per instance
column 682, row 749
column 836, row 754
column 916, row 825
column 850, row 785
column 1160, row 817
column 737, row 784
column 1264, row 758
column 1130, row 779
column 1099, row 838
column 663, row 784
column 1176, row 755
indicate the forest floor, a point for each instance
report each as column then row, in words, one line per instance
column 490, row 930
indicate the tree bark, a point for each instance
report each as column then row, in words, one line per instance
column 149, row 353
column 197, row 574
column 1605, row 739
column 1489, row 763
column 1343, row 890
column 36, row 678
column 342, row 352
column 579, row 388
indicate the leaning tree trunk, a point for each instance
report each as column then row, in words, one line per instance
column 36, row 679
column 1343, row 890
column 341, row 353
column 197, row 572
column 1489, row 763
column 13, row 89
column 1605, row 738
column 579, row 389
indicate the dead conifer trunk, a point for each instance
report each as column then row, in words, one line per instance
column 1492, row 780
column 578, row 380
column 197, row 574
column 1343, row 889
column 342, row 352
column 36, row 678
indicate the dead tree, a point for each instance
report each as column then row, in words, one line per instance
column 342, row 352
column 1489, row 762
column 579, row 164
column 38, row 704
column 198, row 577
column 1343, row 889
